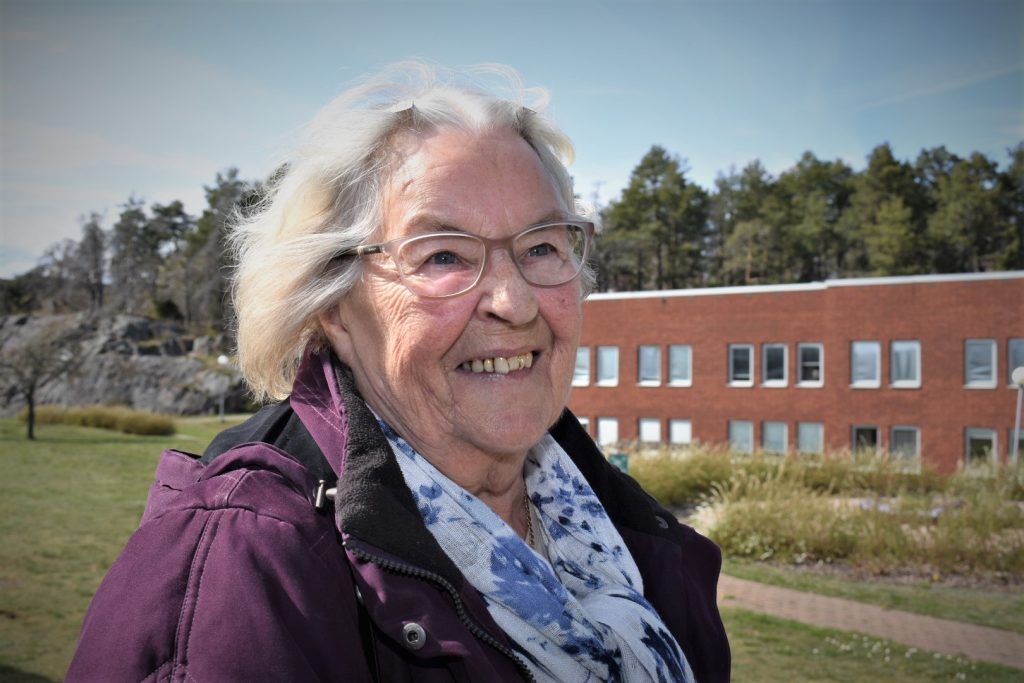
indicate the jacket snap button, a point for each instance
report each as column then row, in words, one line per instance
column 415, row 636
column 661, row 522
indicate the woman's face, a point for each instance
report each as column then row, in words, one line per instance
column 413, row 356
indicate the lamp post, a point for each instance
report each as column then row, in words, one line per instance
column 1018, row 379
column 223, row 361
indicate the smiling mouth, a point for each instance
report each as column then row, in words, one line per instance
column 499, row 365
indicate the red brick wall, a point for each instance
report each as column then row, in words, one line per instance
column 939, row 312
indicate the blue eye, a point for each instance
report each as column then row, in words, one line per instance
column 443, row 258
column 541, row 250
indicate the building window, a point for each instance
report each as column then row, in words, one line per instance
column 865, row 438
column 680, row 365
column 607, row 366
column 581, row 376
column 649, row 366
column 607, row 430
column 1014, row 358
column 585, row 423
column 905, row 364
column 774, row 365
column 905, row 443
column 1020, row 444
column 650, row 430
column 741, row 365
column 810, row 437
column 741, row 436
column 865, row 364
column 774, row 437
column 980, row 363
column 680, row 431
column 811, row 361
column 979, row 446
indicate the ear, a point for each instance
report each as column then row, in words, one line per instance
column 332, row 322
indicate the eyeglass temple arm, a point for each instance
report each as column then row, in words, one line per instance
column 362, row 250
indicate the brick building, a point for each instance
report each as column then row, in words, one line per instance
column 916, row 365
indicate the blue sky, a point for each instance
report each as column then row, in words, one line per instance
column 100, row 100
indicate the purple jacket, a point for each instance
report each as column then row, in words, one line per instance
column 234, row 575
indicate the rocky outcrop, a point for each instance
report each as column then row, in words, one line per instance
column 127, row 360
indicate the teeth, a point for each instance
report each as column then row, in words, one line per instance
column 499, row 364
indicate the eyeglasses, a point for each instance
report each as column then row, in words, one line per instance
column 443, row 264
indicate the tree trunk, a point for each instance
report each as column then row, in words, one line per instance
column 31, row 398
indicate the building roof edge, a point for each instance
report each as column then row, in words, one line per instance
column 811, row 286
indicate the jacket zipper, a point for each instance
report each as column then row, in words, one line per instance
column 460, row 609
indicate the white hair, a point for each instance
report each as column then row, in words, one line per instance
column 328, row 198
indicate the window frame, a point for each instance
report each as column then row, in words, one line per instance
column 981, row 432
column 640, row 366
column 866, row 383
column 853, row 436
column 598, row 429
column 750, row 426
column 765, row 382
column 1010, row 365
column 905, row 383
column 584, row 422
column 733, row 382
column 576, row 380
column 821, row 437
column 811, row 383
column 671, row 432
column 991, row 382
column 640, row 422
column 917, row 442
column 598, row 380
column 785, row 437
column 688, row 381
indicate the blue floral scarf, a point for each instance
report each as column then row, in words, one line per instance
column 583, row 617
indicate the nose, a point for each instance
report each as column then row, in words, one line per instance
column 504, row 294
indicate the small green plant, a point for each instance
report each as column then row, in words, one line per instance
column 117, row 418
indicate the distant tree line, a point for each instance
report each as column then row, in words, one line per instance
column 820, row 219
column 157, row 261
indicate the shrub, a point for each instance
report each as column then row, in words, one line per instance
column 118, row 418
column 678, row 478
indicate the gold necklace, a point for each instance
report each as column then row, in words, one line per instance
column 529, row 516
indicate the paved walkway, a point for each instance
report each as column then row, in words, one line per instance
column 927, row 633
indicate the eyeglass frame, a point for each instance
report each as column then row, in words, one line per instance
column 490, row 243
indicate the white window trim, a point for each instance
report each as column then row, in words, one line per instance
column 677, row 420
column 821, row 439
column 647, row 382
column 598, row 430
column 576, row 382
column 614, row 382
column 785, row 436
column 981, row 432
column 750, row 425
column 989, row 383
column 867, row 383
column 753, row 369
column 905, row 383
column 917, row 439
column 640, row 429
column 680, row 382
column 1009, row 358
column 585, row 423
column 785, row 365
column 811, row 383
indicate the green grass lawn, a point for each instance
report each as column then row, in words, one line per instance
column 69, row 500
column 1003, row 609
column 770, row 650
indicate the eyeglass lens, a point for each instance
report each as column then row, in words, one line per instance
column 445, row 265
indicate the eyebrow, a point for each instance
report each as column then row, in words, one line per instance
column 427, row 223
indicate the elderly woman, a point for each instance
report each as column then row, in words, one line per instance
column 421, row 506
